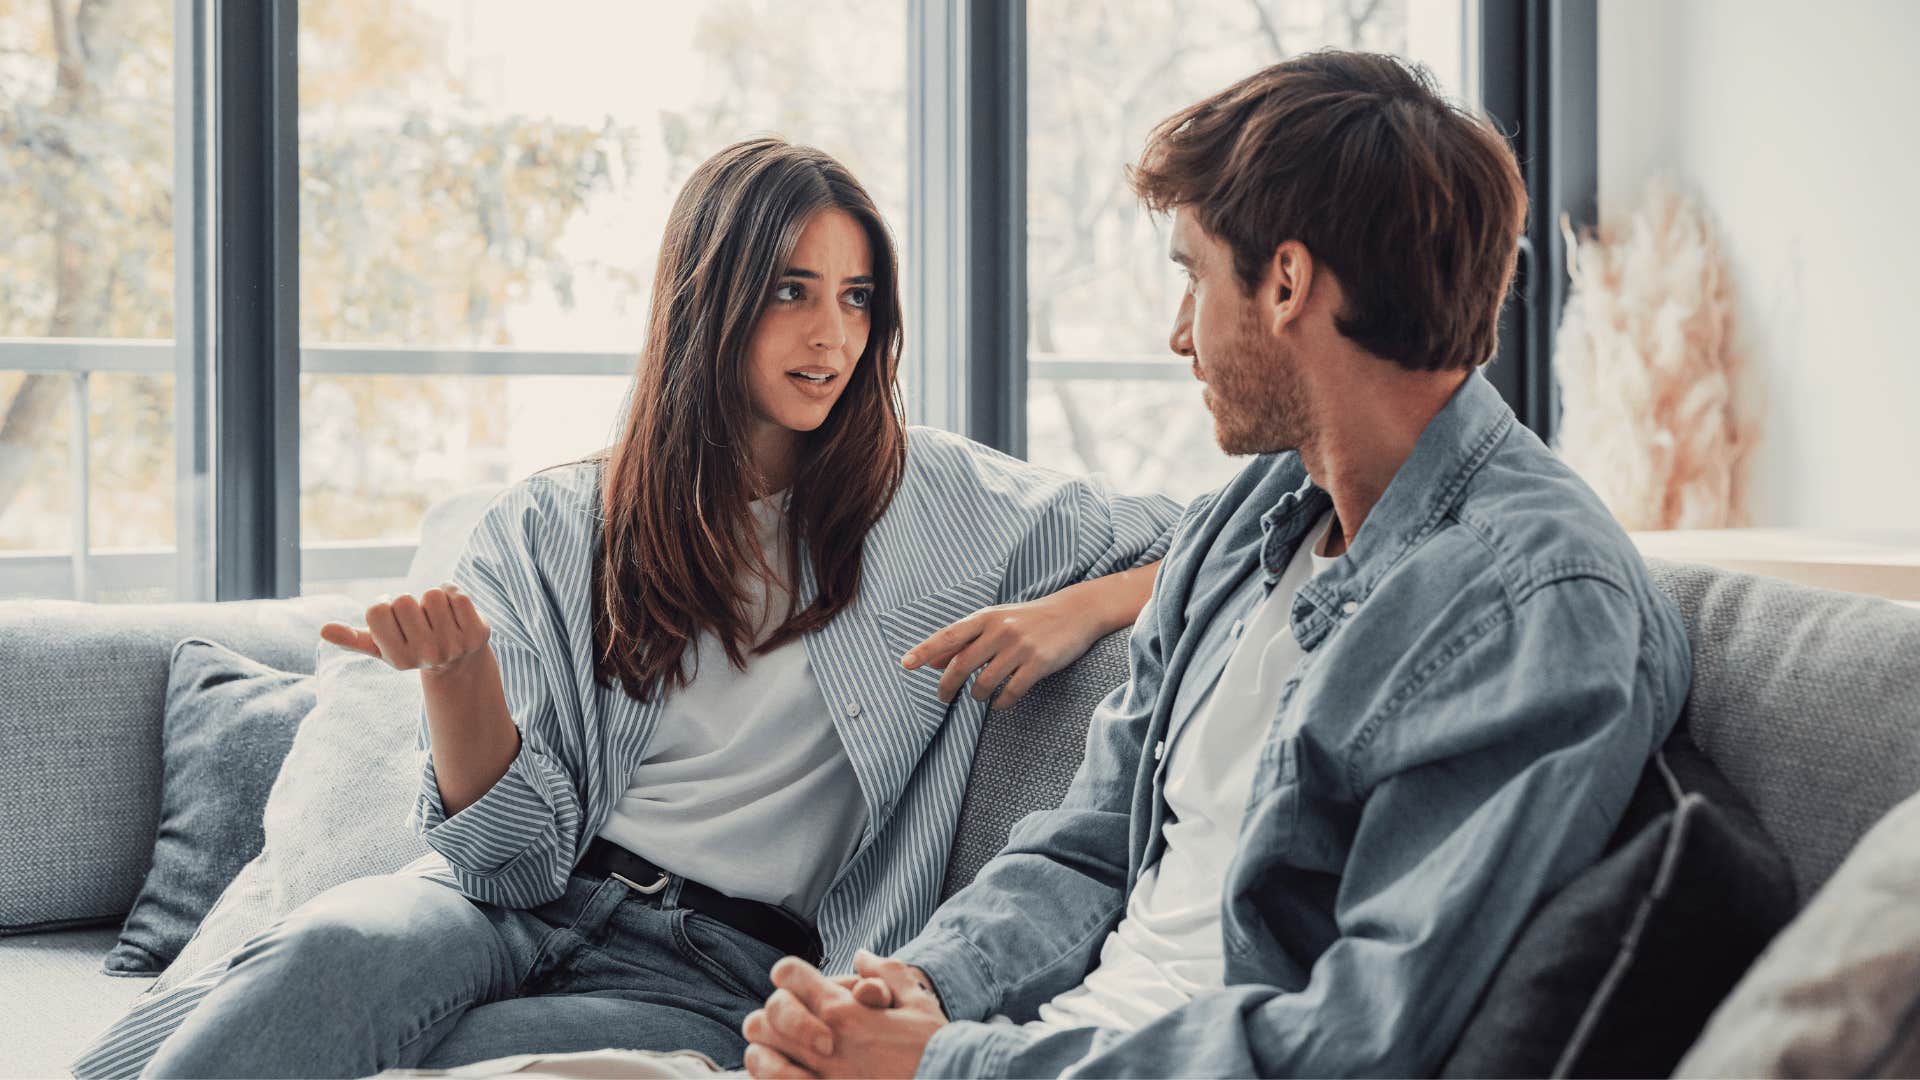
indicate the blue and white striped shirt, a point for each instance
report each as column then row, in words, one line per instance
column 969, row 528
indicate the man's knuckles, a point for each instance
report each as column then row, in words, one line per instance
column 787, row 1014
column 840, row 1009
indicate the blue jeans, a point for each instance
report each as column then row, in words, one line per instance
column 401, row 972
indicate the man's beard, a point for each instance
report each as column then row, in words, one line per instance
column 1258, row 404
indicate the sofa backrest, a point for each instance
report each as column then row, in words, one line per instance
column 82, row 688
column 1807, row 700
column 1026, row 756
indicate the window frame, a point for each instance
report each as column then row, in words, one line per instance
column 1534, row 65
column 1539, row 69
column 241, row 355
column 236, row 354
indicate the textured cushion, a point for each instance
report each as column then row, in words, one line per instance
column 53, row 997
column 1027, row 755
column 229, row 723
column 1617, row 973
column 82, row 693
column 338, row 810
column 1838, row 992
column 1806, row 700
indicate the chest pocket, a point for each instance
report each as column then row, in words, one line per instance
column 1268, row 834
column 1273, row 803
column 1273, row 800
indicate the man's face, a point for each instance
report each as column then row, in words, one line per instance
column 1252, row 382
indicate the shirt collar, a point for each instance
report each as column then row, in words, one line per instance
column 1455, row 443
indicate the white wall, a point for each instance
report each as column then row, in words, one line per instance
column 1797, row 126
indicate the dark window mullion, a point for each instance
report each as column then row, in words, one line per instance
column 995, row 221
column 255, row 281
column 1538, row 81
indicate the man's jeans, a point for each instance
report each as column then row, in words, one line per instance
column 401, row 972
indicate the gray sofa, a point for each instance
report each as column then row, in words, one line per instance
column 1809, row 702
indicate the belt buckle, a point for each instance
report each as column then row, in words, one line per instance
column 644, row 890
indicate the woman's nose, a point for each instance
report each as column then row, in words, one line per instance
column 830, row 330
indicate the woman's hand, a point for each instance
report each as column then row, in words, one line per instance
column 472, row 735
column 438, row 633
column 1012, row 646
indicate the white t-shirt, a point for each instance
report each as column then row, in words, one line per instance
column 1168, row 946
column 746, row 787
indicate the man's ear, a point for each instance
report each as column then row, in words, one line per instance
column 1288, row 283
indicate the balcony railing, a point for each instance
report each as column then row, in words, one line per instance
column 83, row 573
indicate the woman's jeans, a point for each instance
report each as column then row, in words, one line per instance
column 401, row 972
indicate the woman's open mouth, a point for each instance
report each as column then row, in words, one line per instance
column 815, row 382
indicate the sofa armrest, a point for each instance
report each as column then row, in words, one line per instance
column 82, row 697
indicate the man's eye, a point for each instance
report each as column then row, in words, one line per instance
column 789, row 291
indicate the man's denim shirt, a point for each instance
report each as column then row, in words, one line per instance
column 1486, row 672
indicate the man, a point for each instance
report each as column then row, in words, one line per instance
column 1393, row 689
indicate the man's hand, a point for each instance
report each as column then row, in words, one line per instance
column 874, row 1025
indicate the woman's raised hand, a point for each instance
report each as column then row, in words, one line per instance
column 1011, row 646
column 435, row 633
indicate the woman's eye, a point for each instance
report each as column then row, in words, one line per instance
column 860, row 298
column 789, row 291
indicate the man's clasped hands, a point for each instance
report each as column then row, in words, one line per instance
column 875, row 1022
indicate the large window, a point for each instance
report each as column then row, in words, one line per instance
column 480, row 187
column 483, row 188
column 86, row 289
column 1104, row 392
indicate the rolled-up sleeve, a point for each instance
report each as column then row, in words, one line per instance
column 516, row 844
column 1118, row 532
column 1088, row 531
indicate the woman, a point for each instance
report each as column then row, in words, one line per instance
column 681, row 700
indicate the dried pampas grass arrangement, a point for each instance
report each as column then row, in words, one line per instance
column 1649, row 371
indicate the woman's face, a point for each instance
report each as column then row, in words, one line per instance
column 811, row 333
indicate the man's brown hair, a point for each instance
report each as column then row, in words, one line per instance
column 1417, row 206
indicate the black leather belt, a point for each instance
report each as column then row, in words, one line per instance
column 776, row 926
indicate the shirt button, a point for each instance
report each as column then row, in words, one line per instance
column 1159, row 748
column 1349, row 607
column 853, row 708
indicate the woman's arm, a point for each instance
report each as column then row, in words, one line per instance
column 1013, row 646
column 443, row 637
column 474, row 739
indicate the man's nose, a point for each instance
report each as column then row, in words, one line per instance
column 1181, row 340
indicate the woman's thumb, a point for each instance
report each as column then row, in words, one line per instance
column 348, row 638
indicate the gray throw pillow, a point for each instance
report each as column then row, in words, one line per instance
column 338, row 811
column 1838, row 992
column 228, row 725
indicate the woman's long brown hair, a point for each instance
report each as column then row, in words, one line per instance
column 678, row 535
